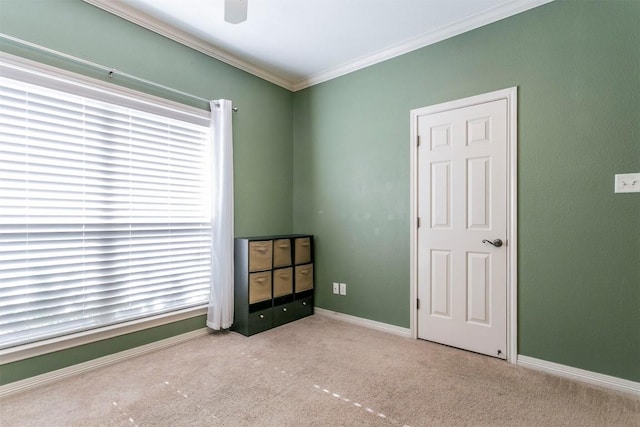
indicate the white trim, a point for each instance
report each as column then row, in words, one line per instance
column 360, row 321
column 157, row 26
column 511, row 95
column 512, row 226
column 471, row 23
column 100, row 362
column 27, row 351
column 487, row 17
column 413, row 226
column 610, row 382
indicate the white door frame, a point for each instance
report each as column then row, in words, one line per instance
column 511, row 95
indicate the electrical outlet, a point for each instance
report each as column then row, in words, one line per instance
column 627, row 183
column 336, row 288
column 343, row 288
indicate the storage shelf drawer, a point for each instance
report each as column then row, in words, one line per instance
column 259, row 287
column 303, row 250
column 304, row 307
column 260, row 321
column 304, row 277
column 281, row 253
column 284, row 314
column 260, row 255
column 282, row 282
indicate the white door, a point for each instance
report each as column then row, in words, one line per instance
column 462, row 208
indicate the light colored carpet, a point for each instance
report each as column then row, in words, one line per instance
column 316, row 372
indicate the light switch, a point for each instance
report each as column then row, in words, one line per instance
column 343, row 288
column 627, row 183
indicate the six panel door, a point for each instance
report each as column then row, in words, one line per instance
column 462, row 205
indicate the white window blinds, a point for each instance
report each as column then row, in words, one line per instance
column 105, row 208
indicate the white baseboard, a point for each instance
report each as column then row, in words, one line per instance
column 607, row 381
column 110, row 359
column 372, row 324
column 577, row 374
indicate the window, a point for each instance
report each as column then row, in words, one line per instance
column 105, row 205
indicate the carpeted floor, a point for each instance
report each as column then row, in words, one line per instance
column 316, row 372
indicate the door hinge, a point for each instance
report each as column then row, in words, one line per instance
column 418, row 304
column 418, row 141
column 418, row 222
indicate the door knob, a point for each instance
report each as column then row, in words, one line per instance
column 497, row 243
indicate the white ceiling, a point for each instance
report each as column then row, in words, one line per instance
column 298, row 43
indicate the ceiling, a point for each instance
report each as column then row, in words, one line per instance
column 299, row 43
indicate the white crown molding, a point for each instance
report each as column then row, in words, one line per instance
column 150, row 23
column 607, row 381
column 476, row 21
column 60, row 374
column 481, row 19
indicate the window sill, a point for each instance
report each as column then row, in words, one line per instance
column 27, row 351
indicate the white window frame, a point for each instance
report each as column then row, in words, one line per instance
column 11, row 65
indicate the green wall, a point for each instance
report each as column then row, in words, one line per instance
column 577, row 67
column 22, row 369
column 263, row 136
column 333, row 160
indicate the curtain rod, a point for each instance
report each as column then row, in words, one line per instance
column 111, row 72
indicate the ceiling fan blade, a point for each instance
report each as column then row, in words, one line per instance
column 235, row 11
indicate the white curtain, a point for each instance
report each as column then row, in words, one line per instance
column 220, row 314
